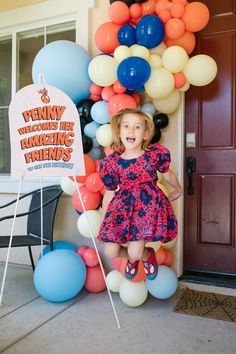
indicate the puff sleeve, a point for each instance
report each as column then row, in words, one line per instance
column 160, row 157
column 108, row 174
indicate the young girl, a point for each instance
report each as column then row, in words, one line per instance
column 134, row 209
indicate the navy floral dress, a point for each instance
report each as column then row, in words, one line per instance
column 139, row 209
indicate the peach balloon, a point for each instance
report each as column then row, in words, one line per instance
column 89, row 168
column 136, row 97
column 119, row 12
column 140, row 276
column 93, row 182
column 107, row 93
column 103, row 190
column 94, row 280
column 106, row 37
column 165, row 15
column 95, row 89
column 174, row 28
column 94, row 98
column 81, row 250
column 161, row 5
column 196, row 16
column 148, row 7
column 90, row 257
column 116, row 262
column 135, row 11
column 91, row 200
column 180, row 80
column 119, row 102
column 183, row 2
column 186, row 41
column 160, row 255
column 177, row 10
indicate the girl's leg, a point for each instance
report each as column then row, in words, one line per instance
column 137, row 251
column 112, row 250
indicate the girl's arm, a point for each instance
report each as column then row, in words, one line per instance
column 108, row 196
column 171, row 179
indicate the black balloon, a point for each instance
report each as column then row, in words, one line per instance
column 157, row 136
column 160, row 120
column 127, row 2
column 87, row 143
column 84, row 109
column 82, row 124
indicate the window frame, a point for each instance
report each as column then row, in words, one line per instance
column 80, row 17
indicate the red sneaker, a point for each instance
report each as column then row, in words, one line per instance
column 131, row 269
column 151, row 266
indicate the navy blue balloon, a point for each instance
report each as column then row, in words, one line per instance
column 133, row 72
column 126, row 35
column 150, row 31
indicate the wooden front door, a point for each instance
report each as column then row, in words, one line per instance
column 210, row 237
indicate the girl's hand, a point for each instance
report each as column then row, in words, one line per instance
column 175, row 194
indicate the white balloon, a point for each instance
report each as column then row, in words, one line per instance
column 104, row 135
column 114, row 279
column 133, row 294
column 185, row 87
column 175, row 58
column 67, row 185
column 160, row 84
column 122, row 52
column 141, row 51
column 200, row 70
column 155, row 61
column 93, row 219
column 103, row 70
column 168, row 104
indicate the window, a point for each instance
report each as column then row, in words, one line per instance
column 21, row 48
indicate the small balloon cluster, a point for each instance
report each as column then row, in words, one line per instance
column 134, row 293
column 94, row 281
column 146, row 48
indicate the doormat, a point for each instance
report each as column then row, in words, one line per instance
column 210, row 305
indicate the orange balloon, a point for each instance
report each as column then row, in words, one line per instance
column 196, row 16
column 94, row 280
column 118, row 88
column 148, row 7
column 183, row 2
column 165, row 15
column 160, row 255
column 91, row 200
column 90, row 257
column 106, row 37
column 174, row 28
column 89, row 168
column 119, row 12
column 186, row 41
column 140, row 276
column 116, row 262
column 119, row 102
column 107, row 93
column 168, row 258
column 177, row 10
column 180, row 80
column 93, row 182
column 135, row 11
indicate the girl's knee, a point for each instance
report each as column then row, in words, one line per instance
column 135, row 254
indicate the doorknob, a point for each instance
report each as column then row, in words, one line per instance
column 190, row 169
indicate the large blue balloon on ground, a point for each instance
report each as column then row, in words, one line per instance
column 133, row 72
column 165, row 284
column 64, row 65
column 60, row 244
column 59, row 275
column 150, row 31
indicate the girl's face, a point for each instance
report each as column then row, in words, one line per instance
column 132, row 131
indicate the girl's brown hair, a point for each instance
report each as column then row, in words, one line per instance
column 117, row 144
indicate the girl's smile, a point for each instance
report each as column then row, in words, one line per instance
column 132, row 132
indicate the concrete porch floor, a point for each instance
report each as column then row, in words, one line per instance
column 86, row 325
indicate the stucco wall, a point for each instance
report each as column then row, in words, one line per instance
column 65, row 226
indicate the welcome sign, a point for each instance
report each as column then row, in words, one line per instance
column 45, row 133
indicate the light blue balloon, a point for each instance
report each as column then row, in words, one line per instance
column 95, row 142
column 59, row 275
column 64, row 65
column 95, row 153
column 165, row 284
column 60, row 244
column 148, row 108
column 99, row 112
column 90, row 129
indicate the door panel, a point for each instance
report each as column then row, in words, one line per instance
column 210, row 112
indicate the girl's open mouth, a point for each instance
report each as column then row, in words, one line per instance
column 130, row 140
